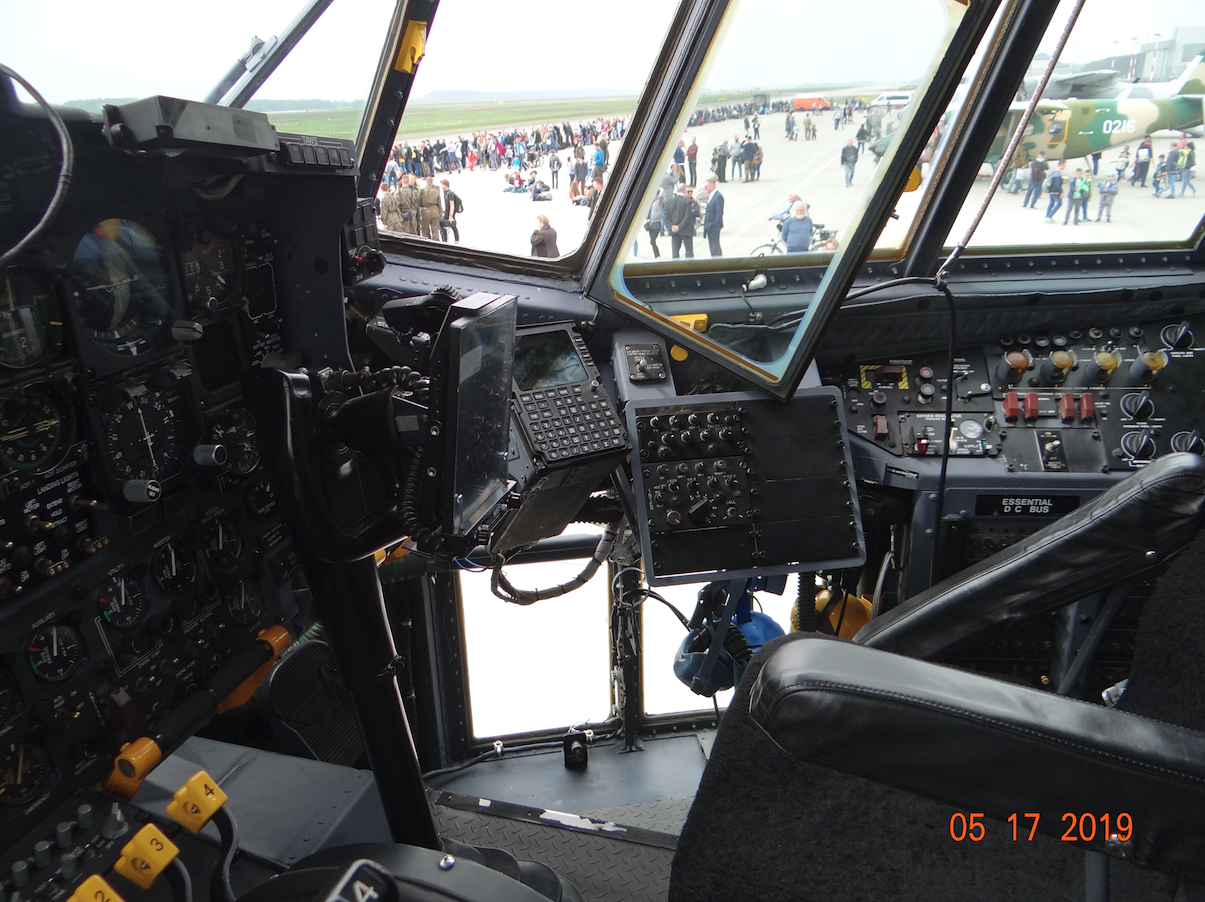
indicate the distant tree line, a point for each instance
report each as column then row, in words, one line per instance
column 94, row 104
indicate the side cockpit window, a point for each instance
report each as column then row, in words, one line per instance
column 1112, row 140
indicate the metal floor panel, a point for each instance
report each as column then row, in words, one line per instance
column 604, row 868
column 664, row 817
column 668, row 768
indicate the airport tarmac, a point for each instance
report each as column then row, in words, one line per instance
column 501, row 221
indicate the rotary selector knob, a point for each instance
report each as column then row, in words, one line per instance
column 1147, row 366
column 1177, row 336
column 1188, row 441
column 1139, row 445
column 1137, row 407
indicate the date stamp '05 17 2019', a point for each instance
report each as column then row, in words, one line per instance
column 1079, row 827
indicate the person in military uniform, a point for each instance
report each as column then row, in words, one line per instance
column 428, row 210
column 407, row 198
column 391, row 212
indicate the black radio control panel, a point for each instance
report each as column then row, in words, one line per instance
column 735, row 485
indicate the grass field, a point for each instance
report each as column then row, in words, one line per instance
column 430, row 120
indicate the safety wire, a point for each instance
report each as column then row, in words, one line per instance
column 941, row 280
column 65, row 169
column 1019, row 133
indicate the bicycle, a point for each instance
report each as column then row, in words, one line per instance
column 820, row 237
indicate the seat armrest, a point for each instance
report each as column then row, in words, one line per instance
column 989, row 746
column 1130, row 528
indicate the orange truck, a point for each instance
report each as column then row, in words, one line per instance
column 811, row 102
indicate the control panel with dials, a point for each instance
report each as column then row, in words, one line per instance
column 1091, row 400
column 142, row 548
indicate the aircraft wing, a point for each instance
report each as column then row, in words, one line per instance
column 1080, row 84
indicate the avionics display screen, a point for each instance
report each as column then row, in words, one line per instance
column 482, row 351
column 546, row 359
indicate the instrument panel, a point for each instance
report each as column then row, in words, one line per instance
column 1099, row 399
column 141, row 545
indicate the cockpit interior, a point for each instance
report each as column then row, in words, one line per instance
column 339, row 562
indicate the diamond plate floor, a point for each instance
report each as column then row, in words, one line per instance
column 603, row 868
column 664, row 817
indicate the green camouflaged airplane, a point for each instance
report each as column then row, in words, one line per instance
column 1076, row 127
column 1068, row 129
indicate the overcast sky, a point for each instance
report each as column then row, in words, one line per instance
column 130, row 48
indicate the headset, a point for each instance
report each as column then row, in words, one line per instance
column 724, row 633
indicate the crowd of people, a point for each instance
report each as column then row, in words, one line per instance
column 1075, row 189
column 417, row 196
column 412, row 203
column 503, row 149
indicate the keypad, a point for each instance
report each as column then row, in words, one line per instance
column 567, row 421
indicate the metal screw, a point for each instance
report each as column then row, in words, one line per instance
column 447, row 863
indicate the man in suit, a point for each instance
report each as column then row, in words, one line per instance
column 713, row 218
column 681, row 213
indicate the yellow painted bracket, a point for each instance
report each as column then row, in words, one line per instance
column 195, row 802
column 413, row 47
column 95, row 889
column 278, row 638
column 696, row 322
column 145, row 856
column 131, row 766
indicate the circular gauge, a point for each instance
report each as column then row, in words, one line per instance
column 34, row 429
column 9, row 699
column 24, row 769
column 54, row 652
column 174, row 568
column 260, row 498
column 235, row 429
column 222, row 543
column 971, row 429
column 123, row 296
column 210, row 272
column 245, row 601
column 147, row 435
column 122, row 602
column 29, row 319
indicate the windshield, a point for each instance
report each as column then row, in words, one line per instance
column 112, row 53
column 511, row 124
column 772, row 168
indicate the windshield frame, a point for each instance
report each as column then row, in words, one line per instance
column 845, row 265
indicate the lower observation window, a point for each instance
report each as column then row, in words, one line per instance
column 538, row 667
